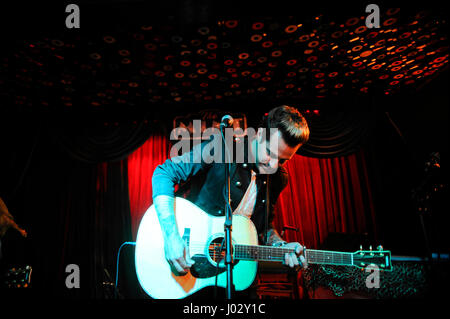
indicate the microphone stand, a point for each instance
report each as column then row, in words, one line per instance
column 228, row 222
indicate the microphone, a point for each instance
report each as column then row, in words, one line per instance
column 227, row 121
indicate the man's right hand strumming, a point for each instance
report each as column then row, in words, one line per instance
column 177, row 254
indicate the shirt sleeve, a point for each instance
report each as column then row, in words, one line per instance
column 180, row 168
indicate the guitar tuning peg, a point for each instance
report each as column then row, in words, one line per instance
column 360, row 247
column 370, row 247
column 380, row 248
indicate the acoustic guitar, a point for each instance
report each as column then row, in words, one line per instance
column 204, row 235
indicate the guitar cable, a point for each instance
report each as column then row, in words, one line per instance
column 133, row 243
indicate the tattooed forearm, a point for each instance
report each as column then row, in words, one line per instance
column 273, row 237
column 164, row 206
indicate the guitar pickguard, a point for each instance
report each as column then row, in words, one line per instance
column 203, row 268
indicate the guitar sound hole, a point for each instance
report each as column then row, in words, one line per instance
column 216, row 250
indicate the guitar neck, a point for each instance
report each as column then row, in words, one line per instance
column 313, row 256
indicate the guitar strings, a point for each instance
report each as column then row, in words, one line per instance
column 268, row 252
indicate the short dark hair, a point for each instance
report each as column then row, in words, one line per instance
column 291, row 123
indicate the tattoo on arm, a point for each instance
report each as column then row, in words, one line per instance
column 164, row 206
column 273, row 237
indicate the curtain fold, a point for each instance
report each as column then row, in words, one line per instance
column 141, row 164
column 325, row 196
column 96, row 141
column 336, row 134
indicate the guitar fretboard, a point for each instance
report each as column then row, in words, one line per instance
column 313, row 256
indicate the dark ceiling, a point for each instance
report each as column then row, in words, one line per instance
column 130, row 55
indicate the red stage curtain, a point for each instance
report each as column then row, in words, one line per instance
column 141, row 164
column 323, row 195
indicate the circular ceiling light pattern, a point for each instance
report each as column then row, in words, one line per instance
column 360, row 29
column 203, row 30
column 313, row 44
column 401, row 49
column 319, row 75
column 176, row 39
column 109, row 39
column 95, row 56
column 185, row 63
column 404, row 49
column 290, row 29
column 150, row 46
column 372, row 35
column 196, row 42
column 57, row 43
column 405, row 35
column 365, row 54
column 304, row 38
column 256, row 38
column 351, row 22
column 337, row 34
column 262, row 59
column 291, row 62
column 392, row 11
column 212, row 46
column 389, row 22
column 276, row 53
column 267, row 44
column 124, row 52
column 243, row 56
column 231, row 24
column 257, row 25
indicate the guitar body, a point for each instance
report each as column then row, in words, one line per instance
column 204, row 235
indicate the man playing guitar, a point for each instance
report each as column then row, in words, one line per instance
column 206, row 180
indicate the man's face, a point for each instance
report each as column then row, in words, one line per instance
column 270, row 156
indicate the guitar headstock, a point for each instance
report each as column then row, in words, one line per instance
column 380, row 258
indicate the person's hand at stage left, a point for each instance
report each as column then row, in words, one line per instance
column 23, row 232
